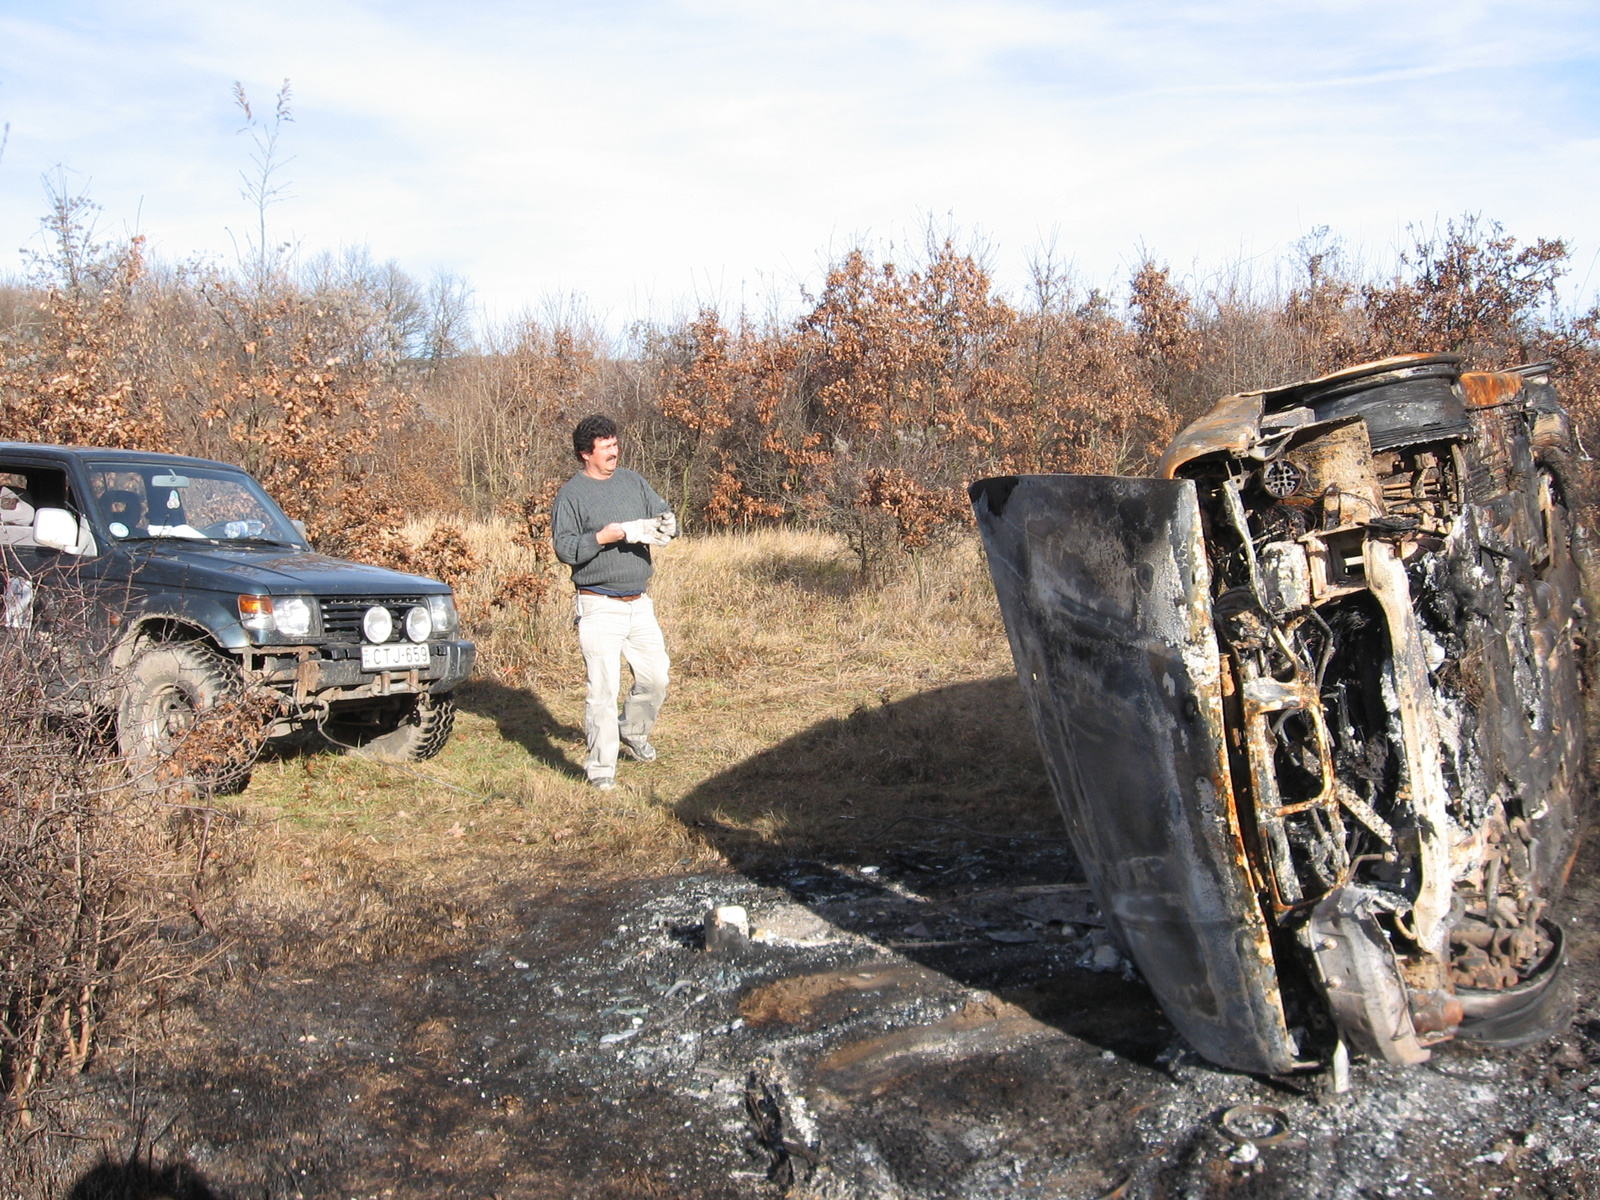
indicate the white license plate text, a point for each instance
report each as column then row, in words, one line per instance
column 387, row 658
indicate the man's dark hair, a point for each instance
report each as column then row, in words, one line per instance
column 589, row 431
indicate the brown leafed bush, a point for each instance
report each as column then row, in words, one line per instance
column 921, row 515
column 445, row 555
column 302, row 379
column 224, row 740
column 523, row 590
column 905, row 379
column 69, row 373
column 353, row 393
column 1471, row 290
column 534, row 513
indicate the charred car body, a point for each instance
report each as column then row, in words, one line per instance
column 1310, row 701
column 180, row 582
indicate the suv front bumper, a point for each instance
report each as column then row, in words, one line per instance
column 332, row 673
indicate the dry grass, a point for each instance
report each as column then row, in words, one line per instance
column 807, row 715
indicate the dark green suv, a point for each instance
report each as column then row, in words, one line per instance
column 195, row 584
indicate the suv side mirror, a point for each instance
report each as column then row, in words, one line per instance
column 56, row 529
column 300, row 528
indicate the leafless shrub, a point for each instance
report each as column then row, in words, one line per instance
column 507, row 412
column 102, row 876
column 79, row 859
column 63, row 916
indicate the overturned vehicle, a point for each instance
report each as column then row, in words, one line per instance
column 1311, row 703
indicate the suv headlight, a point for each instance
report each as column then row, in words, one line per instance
column 443, row 611
column 292, row 614
column 418, row 624
column 289, row 615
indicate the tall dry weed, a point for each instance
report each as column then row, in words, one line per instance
column 87, row 858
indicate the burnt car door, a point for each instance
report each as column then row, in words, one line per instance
column 1105, row 589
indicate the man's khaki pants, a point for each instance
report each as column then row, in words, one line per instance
column 609, row 631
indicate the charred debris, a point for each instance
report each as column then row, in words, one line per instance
column 1311, row 702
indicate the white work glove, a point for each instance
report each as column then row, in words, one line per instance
column 648, row 530
column 668, row 525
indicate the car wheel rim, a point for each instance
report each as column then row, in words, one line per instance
column 173, row 717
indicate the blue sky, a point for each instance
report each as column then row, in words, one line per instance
column 654, row 155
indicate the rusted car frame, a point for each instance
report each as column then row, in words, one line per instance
column 1311, row 704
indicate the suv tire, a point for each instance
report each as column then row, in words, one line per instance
column 419, row 731
column 168, row 687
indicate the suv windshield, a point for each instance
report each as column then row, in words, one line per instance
column 153, row 500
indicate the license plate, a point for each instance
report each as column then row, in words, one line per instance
column 387, row 658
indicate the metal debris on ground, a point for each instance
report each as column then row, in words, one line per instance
column 727, row 929
column 1255, row 1124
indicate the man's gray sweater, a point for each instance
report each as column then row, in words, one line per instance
column 584, row 506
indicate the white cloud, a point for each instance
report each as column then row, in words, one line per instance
column 644, row 152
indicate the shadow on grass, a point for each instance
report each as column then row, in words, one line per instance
column 141, row 1181
column 913, row 822
column 521, row 717
column 891, row 774
column 818, row 574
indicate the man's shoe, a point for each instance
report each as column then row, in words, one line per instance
column 639, row 749
column 604, row 785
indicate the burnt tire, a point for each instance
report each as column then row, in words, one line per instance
column 168, row 690
column 1534, row 1010
column 416, row 732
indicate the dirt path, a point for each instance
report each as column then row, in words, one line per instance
column 916, row 1027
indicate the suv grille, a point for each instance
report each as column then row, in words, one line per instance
column 341, row 615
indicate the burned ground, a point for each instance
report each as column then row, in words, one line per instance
column 918, row 1015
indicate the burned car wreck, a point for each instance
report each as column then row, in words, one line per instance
column 1311, row 703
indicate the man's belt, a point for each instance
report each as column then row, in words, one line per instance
column 607, row 595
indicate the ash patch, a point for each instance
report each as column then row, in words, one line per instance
column 580, row 1042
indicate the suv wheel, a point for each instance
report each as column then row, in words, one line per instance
column 416, row 732
column 169, row 688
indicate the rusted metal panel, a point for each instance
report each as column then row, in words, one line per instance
column 1364, row 986
column 1231, row 427
column 1419, row 731
column 1105, row 589
column 1490, row 389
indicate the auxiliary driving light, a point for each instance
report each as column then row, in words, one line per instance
column 377, row 624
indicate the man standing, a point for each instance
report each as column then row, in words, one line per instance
column 606, row 519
